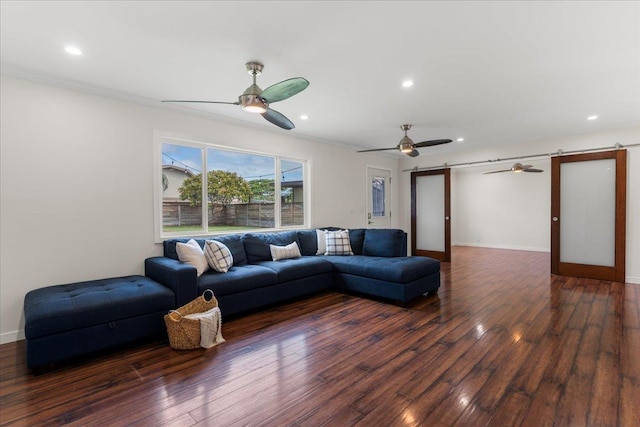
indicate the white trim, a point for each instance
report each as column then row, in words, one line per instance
column 510, row 247
column 12, row 336
column 632, row 279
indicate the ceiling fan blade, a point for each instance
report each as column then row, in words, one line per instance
column 533, row 170
column 202, row 102
column 283, row 90
column 377, row 149
column 505, row 170
column 278, row 119
column 413, row 153
column 431, row 143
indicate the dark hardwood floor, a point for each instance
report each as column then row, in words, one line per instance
column 502, row 343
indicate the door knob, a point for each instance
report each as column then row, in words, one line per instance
column 446, row 218
column 555, row 218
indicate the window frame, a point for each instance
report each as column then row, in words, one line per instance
column 161, row 138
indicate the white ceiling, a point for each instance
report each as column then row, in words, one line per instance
column 490, row 72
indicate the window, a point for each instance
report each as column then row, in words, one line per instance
column 377, row 196
column 241, row 190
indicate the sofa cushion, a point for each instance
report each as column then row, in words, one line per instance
column 237, row 279
column 356, row 237
column 298, row 268
column 233, row 241
column 61, row 308
column 257, row 245
column 384, row 243
column 236, row 245
column 308, row 242
column 394, row 269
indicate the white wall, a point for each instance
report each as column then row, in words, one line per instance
column 76, row 178
column 512, row 211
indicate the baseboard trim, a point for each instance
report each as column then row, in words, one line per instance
column 514, row 248
column 8, row 337
column 632, row 279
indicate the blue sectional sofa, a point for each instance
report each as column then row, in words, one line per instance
column 378, row 267
column 77, row 319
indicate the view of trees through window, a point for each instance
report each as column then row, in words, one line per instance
column 243, row 190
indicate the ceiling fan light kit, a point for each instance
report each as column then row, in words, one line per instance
column 250, row 100
column 407, row 146
column 256, row 100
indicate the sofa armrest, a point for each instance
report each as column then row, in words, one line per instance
column 181, row 278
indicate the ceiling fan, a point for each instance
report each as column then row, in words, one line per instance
column 256, row 100
column 517, row 168
column 409, row 147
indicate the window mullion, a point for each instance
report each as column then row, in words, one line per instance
column 205, row 192
column 277, row 204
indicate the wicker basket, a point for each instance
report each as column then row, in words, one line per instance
column 184, row 334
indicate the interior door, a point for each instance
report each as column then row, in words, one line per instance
column 378, row 198
column 588, row 215
column 431, row 214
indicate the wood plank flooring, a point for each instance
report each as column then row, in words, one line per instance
column 503, row 343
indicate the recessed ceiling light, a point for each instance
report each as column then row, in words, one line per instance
column 407, row 83
column 304, row 117
column 460, row 139
column 72, row 50
column 592, row 117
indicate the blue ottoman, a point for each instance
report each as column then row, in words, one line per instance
column 72, row 320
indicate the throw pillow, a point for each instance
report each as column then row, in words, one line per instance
column 192, row 254
column 284, row 252
column 218, row 256
column 338, row 243
column 322, row 241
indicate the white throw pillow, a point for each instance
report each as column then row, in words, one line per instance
column 192, row 254
column 284, row 252
column 322, row 241
column 338, row 243
column 218, row 256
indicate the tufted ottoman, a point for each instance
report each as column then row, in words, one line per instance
column 71, row 320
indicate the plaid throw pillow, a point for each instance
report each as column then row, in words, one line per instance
column 338, row 243
column 218, row 256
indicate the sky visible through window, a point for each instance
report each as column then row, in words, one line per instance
column 248, row 166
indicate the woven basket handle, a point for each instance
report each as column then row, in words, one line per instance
column 205, row 293
column 176, row 312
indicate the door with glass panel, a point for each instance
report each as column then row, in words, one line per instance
column 588, row 215
column 431, row 214
column 378, row 198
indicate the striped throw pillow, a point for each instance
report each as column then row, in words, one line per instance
column 338, row 243
column 283, row 252
column 218, row 256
